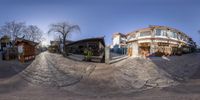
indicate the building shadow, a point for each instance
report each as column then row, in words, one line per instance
column 185, row 69
column 11, row 68
column 196, row 75
column 11, row 81
column 179, row 68
column 12, row 84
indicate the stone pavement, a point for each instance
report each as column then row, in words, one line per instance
column 44, row 71
column 51, row 76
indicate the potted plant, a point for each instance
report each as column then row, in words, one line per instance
column 88, row 54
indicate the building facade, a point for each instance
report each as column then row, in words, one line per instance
column 158, row 41
column 26, row 49
column 95, row 46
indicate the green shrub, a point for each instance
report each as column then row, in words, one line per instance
column 88, row 54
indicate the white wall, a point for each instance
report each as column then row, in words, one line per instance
column 116, row 40
column 135, row 49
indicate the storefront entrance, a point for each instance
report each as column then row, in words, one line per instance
column 144, row 49
column 163, row 49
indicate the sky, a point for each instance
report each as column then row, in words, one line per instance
column 98, row 18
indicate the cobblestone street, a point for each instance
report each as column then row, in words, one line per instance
column 44, row 71
column 51, row 76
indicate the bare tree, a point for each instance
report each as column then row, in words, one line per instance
column 64, row 29
column 58, row 38
column 33, row 33
column 13, row 29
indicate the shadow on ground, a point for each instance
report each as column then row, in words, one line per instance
column 9, row 79
column 11, row 68
column 185, row 69
column 179, row 68
column 12, row 84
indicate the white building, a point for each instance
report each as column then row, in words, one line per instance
column 156, row 40
column 119, row 43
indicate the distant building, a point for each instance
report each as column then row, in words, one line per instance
column 94, row 45
column 5, row 42
column 119, row 43
column 157, row 41
column 57, row 46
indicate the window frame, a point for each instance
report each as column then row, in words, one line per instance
column 156, row 34
column 145, row 32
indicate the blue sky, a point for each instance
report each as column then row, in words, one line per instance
column 105, row 17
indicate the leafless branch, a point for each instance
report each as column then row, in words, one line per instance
column 63, row 29
column 13, row 29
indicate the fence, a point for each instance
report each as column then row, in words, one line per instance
column 111, row 56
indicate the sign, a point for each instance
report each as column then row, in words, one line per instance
column 163, row 44
column 144, row 44
column 20, row 49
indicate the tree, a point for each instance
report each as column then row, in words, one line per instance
column 63, row 29
column 58, row 38
column 13, row 29
column 33, row 33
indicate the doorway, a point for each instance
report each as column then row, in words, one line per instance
column 144, row 49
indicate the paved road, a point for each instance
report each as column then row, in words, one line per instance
column 44, row 79
column 43, row 71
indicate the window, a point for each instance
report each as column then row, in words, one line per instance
column 123, row 40
column 164, row 32
column 131, row 37
column 181, row 37
column 158, row 32
column 174, row 35
column 93, row 46
column 170, row 34
column 147, row 33
column 185, row 39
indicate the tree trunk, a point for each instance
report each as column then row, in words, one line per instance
column 64, row 52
